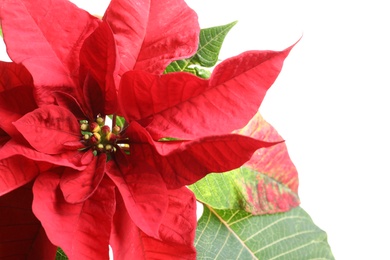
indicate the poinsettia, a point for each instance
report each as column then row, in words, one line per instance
column 103, row 178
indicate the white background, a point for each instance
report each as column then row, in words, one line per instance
column 330, row 103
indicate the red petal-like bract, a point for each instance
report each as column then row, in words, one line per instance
column 77, row 186
column 183, row 163
column 72, row 159
column 16, row 99
column 16, row 95
column 82, row 230
column 152, row 33
column 21, row 233
column 48, row 128
column 68, row 101
column 15, row 172
column 14, row 103
column 13, row 75
column 177, row 231
column 143, row 94
column 234, row 93
column 144, row 193
column 54, row 32
column 98, row 58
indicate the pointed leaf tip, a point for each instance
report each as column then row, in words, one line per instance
column 210, row 44
column 232, row 97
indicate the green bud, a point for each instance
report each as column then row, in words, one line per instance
column 100, row 121
column 84, row 127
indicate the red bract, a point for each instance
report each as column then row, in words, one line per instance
column 21, row 233
column 100, row 180
column 15, row 101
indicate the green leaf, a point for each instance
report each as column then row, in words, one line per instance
column 201, row 72
column 266, row 184
column 235, row 234
column 210, row 43
column 168, row 139
column 179, row 65
column 120, row 121
column 61, row 255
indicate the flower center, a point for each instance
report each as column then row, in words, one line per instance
column 98, row 136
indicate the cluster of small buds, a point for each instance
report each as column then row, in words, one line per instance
column 99, row 136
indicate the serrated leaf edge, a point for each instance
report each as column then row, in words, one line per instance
column 225, row 28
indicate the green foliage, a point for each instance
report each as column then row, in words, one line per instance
column 210, row 43
column 61, row 255
column 120, row 121
column 236, row 234
column 168, row 139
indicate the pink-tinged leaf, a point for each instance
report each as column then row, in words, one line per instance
column 266, row 184
column 151, row 33
column 144, row 194
column 98, row 58
column 16, row 171
column 82, row 230
column 48, row 128
column 13, row 75
column 77, row 186
column 74, row 159
column 236, row 89
column 177, row 231
column 142, row 94
column 21, row 233
column 54, row 33
column 183, row 163
column 280, row 177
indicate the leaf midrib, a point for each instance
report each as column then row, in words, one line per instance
column 224, row 29
column 230, row 230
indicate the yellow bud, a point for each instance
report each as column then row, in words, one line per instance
column 94, row 127
column 108, row 147
column 97, row 136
